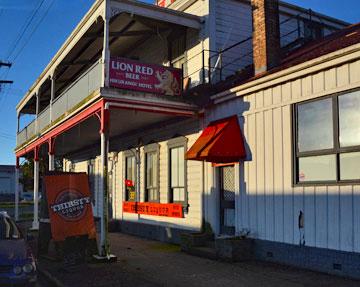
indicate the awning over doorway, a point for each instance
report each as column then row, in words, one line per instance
column 220, row 142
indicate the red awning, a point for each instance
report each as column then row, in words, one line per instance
column 220, row 142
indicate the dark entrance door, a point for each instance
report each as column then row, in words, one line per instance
column 227, row 200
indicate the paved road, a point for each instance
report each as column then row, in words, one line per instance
column 42, row 282
column 146, row 263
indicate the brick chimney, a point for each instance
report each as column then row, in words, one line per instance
column 266, row 34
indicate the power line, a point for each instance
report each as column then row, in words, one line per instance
column 7, row 135
column 34, row 30
column 23, row 30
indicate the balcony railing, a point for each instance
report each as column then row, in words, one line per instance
column 214, row 66
column 67, row 101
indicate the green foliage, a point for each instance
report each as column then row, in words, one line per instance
column 27, row 169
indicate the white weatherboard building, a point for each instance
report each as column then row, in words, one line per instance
column 179, row 148
column 7, row 181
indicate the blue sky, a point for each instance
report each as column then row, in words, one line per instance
column 63, row 15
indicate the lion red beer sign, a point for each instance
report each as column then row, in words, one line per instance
column 69, row 206
column 133, row 75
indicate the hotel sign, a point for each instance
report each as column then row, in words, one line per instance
column 133, row 75
column 156, row 209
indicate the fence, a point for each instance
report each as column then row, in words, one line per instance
column 87, row 83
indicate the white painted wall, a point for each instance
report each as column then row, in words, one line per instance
column 193, row 218
column 7, row 180
column 5, row 184
column 268, row 203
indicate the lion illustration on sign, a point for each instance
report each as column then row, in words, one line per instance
column 169, row 85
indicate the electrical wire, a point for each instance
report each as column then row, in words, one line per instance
column 6, row 133
column 23, row 29
column 34, row 30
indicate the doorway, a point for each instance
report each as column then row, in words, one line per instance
column 227, row 200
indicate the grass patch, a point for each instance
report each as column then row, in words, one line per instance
column 164, row 247
column 12, row 204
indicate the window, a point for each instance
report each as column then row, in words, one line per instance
column 177, row 171
column 327, row 139
column 152, row 173
column 177, row 48
column 177, row 174
column 130, row 177
column 8, row 229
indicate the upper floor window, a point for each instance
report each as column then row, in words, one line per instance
column 177, row 47
column 152, row 173
column 327, row 139
column 177, row 171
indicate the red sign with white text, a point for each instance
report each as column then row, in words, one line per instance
column 133, row 75
column 157, row 209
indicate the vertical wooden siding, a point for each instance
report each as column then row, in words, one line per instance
column 272, row 204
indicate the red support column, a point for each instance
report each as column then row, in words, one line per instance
column 51, row 143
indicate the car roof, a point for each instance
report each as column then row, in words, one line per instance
column 4, row 214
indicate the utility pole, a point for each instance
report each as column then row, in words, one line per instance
column 5, row 64
column 8, row 65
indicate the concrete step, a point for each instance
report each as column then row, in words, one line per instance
column 206, row 252
column 210, row 244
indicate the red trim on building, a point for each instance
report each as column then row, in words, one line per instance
column 36, row 153
column 103, row 114
column 104, row 120
column 68, row 124
column 51, row 143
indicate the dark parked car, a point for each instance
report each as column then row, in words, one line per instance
column 17, row 264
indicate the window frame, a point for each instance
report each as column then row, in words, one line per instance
column 172, row 41
column 178, row 143
column 127, row 154
column 337, row 150
column 152, row 148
